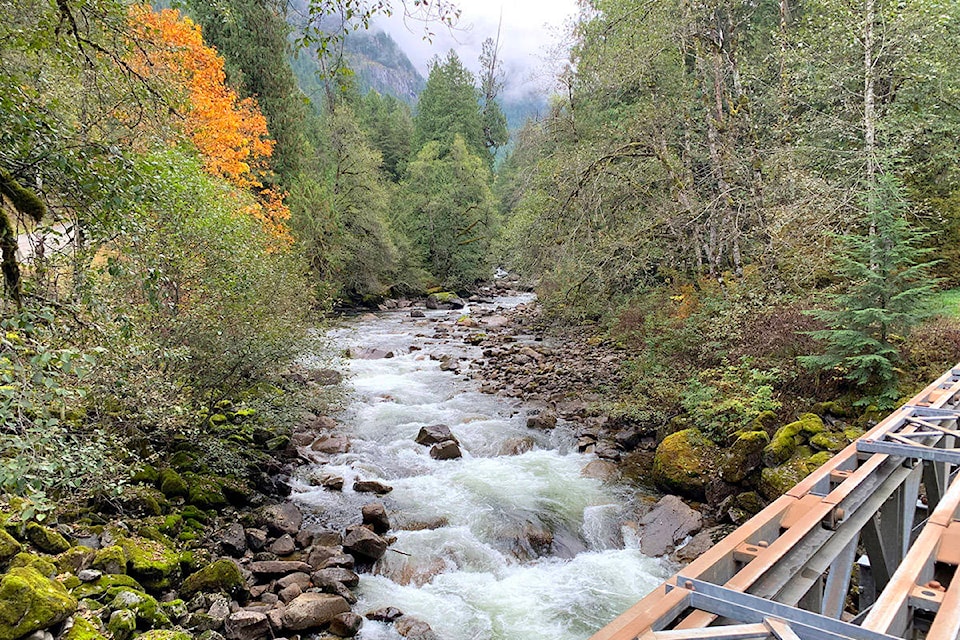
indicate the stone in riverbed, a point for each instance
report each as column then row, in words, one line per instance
column 221, row 576
column 346, row 625
column 669, row 523
column 684, row 462
column 256, row 538
column 331, row 444
column 283, row 546
column 435, row 434
column 334, row 574
column 365, row 544
column 246, row 625
column 544, row 420
column 375, row 515
column 413, row 628
column 279, row 567
column 233, row 539
column 312, row 610
column 282, row 518
column 446, row 450
column 371, row 486
column 384, row 614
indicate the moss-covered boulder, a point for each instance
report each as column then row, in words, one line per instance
column 102, row 585
column 684, row 462
column 110, row 560
column 146, row 474
column 74, row 559
column 143, row 501
column 122, row 624
column 172, row 484
column 775, row 481
column 150, row 562
column 817, row 460
column 829, row 441
column 30, row 601
column 46, row 539
column 744, row 456
column 765, row 421
column 34, row 561
column 183, row 461
column 164, row 634
column 223, row 576
column 788, row 437
column 147, row 609
column 744, row 506
column 205, row 492
column 83, row 629
column 831, row 408
column 9, row 546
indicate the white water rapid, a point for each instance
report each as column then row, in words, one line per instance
column 470, row 529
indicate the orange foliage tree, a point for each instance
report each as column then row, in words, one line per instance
column 229, row 132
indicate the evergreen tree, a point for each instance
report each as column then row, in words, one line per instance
column 887, row 294
column 448, row 108
column 495, row 133
column 390, row 126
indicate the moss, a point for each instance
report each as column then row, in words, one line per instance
column 743, row 457
column 45, row 539
column 775, row 481
column 852, row 433
column 103, row 584
column 172, row 524
column 192, row 512
column 831, row 408
column 223, row 576
column 82, row 629
column 829, row 441
column 110, row 560
column 143, row 501
column 277, row 443
column 165, row 634
column 817, row 460
column 766, row 421
column 217, row 419
column 9, row 546
column 75, row 559
column 150, row 562
column 787, row 437
column 122, row 624
column 147, row 609
column 34, row 561
column 146, row 474
column 205, row 492
column 683, row 462
column 183, row 461
column 30, row 601
column 70, row 582
column 236, row 491
column 242, row 415
column 175, row 609
column 172, row 485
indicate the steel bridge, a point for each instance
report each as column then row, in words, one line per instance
column 883, row 514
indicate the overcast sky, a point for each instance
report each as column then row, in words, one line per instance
column 531, row 32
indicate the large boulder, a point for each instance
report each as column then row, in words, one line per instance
column 744, row 456
column 364, row 544
column 775, row 481
column 47, row 540
column 312, row 610
column 413, row 628
column 434, row 434
column 221, row 576
column 446, row 450
column 669, row 523
column 788, row 437
column 282, row 518
column 684, row 462
column 444, row 300
column 246, row 625
column 375, row 515
column 29, row 601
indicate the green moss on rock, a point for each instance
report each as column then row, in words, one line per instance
column 775, row 481
column 683, row 462
column 83, row 629
column 74, row 559
column 221, row 576
column 165, row 634
column 34, row 561
column 29, row 601
column 172, row 485
column 205, row 492
column 9, row 546
column 785, row 440
column 103, row 584
column 766, row 421
column 817, row 460
column 829, row 441
column 122, row 624
column 744, row 456
column 146, row 474
column 183, row 461
column 147, row 609
column 151, row 562
column 110, row 560
column 46, row 539
column 812, row 424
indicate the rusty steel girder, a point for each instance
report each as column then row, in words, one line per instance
column 787, row 572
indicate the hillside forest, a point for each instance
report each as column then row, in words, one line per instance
column 756, row 204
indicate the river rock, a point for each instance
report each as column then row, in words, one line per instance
column 384, row 614
column 256, row 538
column 246, row 625
column 312, row 610
column 282, row 518
column 284, row 545
column 346, row 625
column 545, row 420
column 516, row 446
column 375, row 515
column 684, row 462
column 602, row 470
column 289, row 592
column 698, row 545
column 496, row 322
column 278, row 567
column 417, row 313
column 325, row 377
column 669, row 523
column 364, row 543
column 413, row 628
column 435, row 434
column 343, row 576
column 331, row 444
column 371, row 353
column 233, row 539
column 446, row 450
column 444, row 300
column 371, row 486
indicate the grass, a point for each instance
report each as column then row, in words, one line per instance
column 947, row 303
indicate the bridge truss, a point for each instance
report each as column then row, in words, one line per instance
column 883, row 513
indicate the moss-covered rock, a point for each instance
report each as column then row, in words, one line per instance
column 851, row 433
column 75, row 559
column 34, row 561
column 110, row 560
column 165, row 634
column 172, row 484
column 9, row 546
column 175, row 609
column 744, row 506
column 83, row 629
column 183, row 461
column 788, row 437
column 765, row 421
column 46, row 539
column 151, row 562
column 221, row 576
column 829, row 441
column 143, row 501
column 94, row 590
column 29, row 601
column 147, row 609
column 122, row 624
column 831, row 408
column 817, row 460
column 683, row 462
column 744, row 456
column 198, row 515
column 146, row 474
column 775, row 481
column 205, row 492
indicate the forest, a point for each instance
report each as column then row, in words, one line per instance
column 754, row 203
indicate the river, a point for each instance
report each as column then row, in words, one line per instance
column 472, row 558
